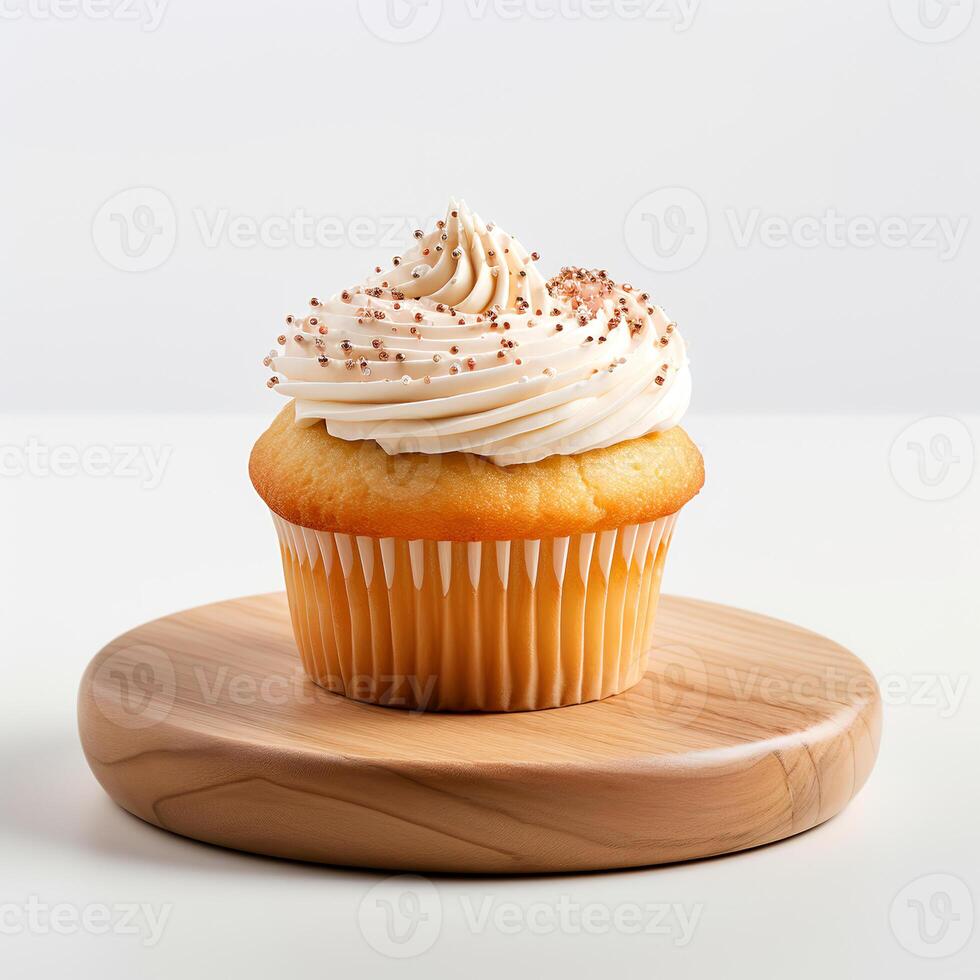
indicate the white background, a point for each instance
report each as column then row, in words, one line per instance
column 829, row 503
column 554, row 127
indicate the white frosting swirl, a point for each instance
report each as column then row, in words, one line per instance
column 462, row 346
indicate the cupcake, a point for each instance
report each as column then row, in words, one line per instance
column 477, row 478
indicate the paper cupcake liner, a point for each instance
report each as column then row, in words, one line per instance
column 474, row 626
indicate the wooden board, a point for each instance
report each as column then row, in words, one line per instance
column 744, row 730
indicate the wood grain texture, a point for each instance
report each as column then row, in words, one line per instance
column 744, row 730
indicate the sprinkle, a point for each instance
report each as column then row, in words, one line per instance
column 299, row 338
column 549, row 372
column 322, row 328
column 454, row 349
column 323, row 360
column 456, row 253
column 397, row 260
column 406, row 379
column 399, row 356
column 350, row 364
column 437, row 358
column 377, row 268
column 500, row 353
column 382, row 355
column 418, row 318
column 313, row 321
column 281, row 339
column 427, row 380
column 267, row 361
column 454, row 368
column 535, row 256
column 346, row 296
column 289, row 319
column 377, row 343
column 419, row 271
column 418, row 233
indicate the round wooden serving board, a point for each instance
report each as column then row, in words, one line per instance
column 744, row 730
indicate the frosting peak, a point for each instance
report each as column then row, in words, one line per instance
column 468, row 265
column 462, row 346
